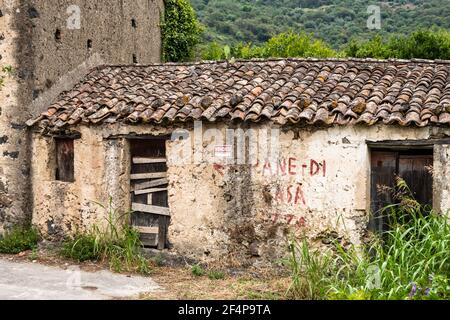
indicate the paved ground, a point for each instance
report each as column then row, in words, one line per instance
column 30, row 281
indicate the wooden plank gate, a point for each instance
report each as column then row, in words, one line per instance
column 149, row 191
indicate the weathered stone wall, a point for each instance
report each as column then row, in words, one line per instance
column 321, row 190
column 48, row 53
column 239, row 214
column 441, row 178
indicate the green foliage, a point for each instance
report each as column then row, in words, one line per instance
column 19, row 239
column 284, row 45
column 334, row 21
column 5, row 72
column 117, row 243
column 197, row 270
column 216, row 275
column 181, row 31
column 425, row 44
column 8, row 69
column 410, row 261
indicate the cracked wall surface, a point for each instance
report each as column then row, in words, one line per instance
column 239, row 214
column 39, row 41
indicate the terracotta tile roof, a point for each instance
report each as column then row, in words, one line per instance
column 297, row 91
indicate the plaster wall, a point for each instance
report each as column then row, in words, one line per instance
column 317, row 185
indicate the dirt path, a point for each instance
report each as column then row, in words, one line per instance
column 175, row 281
column 32, row 281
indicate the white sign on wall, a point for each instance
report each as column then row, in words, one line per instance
column 223, row 152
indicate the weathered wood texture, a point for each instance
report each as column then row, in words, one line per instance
column 414, row 166
column 149, row 185
column 148, row 160
column 65, row 160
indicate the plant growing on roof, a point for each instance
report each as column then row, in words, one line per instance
column 181, row 31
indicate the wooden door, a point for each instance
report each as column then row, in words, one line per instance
column 149, row 191
column 383, row 171
column 411, row 165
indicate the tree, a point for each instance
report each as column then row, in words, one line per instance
column 181, row 31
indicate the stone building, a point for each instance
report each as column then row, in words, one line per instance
column 46, row 47
column 226, row 159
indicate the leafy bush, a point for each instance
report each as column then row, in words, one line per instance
column 284, row 45
column 426, row 44
column 118, row 243
column 410, row 261
column 181, row 31
column 19, row 239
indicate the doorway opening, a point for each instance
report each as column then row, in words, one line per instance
column 149, row 197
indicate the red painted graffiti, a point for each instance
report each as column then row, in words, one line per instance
column 290, row 219
column 294, row 167
column 293, row 194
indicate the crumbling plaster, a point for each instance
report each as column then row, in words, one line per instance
column 240, row 214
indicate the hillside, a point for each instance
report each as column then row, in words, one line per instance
column 335, row 21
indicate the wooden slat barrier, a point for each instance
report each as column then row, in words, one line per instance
column 148, row 160
column 150, row 209
column 142, row 176
column 150, row 184
column 148, row 230
column 147, row 191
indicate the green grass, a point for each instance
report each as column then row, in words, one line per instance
column 19, row 239
column 197, row 270
column 410, row 261
column 118, row 244
column 216, row 275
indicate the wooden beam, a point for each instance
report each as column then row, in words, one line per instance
column 150, row 209
column 142, row 176
column 149, row 160
column 150, row 184
column 149, row 239
column 146, row 191
column 425, row 143
column 150, row 198
column 163, row 222
column 148, row 230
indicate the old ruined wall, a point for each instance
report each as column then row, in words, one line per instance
column 243, row 214
column 224, row 212
column 441, row 178
column 102, row 173
column 13, row 138
column 48, row 52
column 100, row 167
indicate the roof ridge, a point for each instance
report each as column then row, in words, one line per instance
column 310, row 59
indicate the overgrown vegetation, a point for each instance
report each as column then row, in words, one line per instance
column 181, row 31
column 425, row 44
column 410, row 261
column 284, row 45
column 117, row 243
column 19, row 239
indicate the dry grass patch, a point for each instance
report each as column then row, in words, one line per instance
column 180, row 283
